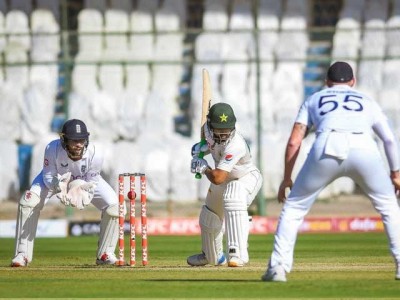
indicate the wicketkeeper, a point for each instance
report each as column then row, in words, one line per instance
column 71, row 171
column 235, row 182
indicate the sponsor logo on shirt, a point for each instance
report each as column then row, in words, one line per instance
column 228, row 157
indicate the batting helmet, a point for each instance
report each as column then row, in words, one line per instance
column 221, row 116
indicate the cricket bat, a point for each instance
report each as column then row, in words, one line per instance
column 205, row 107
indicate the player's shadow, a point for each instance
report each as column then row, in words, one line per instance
column 203, row 280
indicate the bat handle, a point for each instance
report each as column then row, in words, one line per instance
column 201, row 155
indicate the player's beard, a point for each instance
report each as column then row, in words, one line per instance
column 75, row 153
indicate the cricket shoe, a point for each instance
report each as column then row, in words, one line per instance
column 199, row 260
column 107, row 259
column 234, row 260
column 276, row 273
column 398, row 273
column 20, row 260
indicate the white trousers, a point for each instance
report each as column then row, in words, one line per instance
column 251, row 184
column 104, row 196
column 365, row 167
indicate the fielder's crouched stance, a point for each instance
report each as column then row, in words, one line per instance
column 71, row 171
column 235, row 182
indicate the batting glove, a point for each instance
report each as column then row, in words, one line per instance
column 197, row 148
column 199, row 165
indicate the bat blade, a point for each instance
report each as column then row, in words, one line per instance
column 205, row 107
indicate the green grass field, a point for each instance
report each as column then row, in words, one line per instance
column 326, row 266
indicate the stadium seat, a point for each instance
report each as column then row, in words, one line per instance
column 111, row 79
column 241, row 15
column 288, row 76
column 3, row 41
column 104, row 113
column 90, row 38
column 17, row 28
column 158, row 124
column 130, row 115
column 11, row 102
column 370, row 74
column 346, row 39
column 269, row 12
column 37, row 113
column 157, row 165
column 391, row 74
column 17, row 69
column 171, row 15
column 45, row 36
column 373, row 40
column 45, row 76
column 84, row 79
column 272, row 157
column 147, row 5
column 116, row 26
column 393, row 35
column 9, row 181
column 389, row 100
column 235, row 78
column 124, row 5
column 4, row 6
column 215, row 15
column 99, row 5
column 126, row 156
column 80, row 107
column 51, row 5
column 292, row 45
column 21, row 5
column 165, row 82
column 138, row 79
column 183, row 187
column 141, row 45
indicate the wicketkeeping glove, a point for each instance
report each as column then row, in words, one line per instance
column 196, row 149
column 60, row 186
column 81, row 193
column 198, row 165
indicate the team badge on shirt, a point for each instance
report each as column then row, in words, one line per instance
column 83, row 169
column 228, row 157
column 46, row 162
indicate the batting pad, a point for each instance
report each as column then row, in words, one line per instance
column 237, row 231
column 108, row 231
column 236, row 220
column 27, row 221
column 211, row 235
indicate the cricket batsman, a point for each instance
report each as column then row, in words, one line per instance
column 235, row 182
column 71, row 171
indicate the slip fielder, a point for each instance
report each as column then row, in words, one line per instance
column 344, row 120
